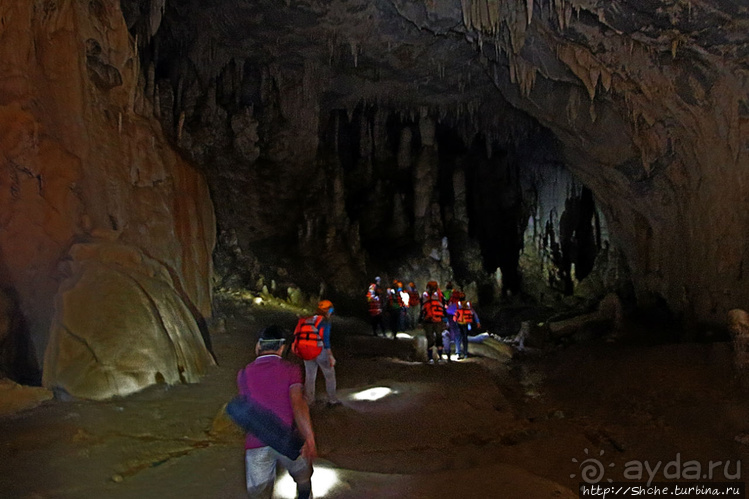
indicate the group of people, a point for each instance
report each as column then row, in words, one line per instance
column 279, row 399
column 447, row 317
column 395, row 306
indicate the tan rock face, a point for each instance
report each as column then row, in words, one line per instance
column 79, row 164
column 120, row 326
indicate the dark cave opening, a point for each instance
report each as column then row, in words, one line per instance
column 495, row 209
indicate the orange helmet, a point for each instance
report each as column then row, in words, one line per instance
column 324, row 306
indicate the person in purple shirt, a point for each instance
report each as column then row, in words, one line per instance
column 276, row 385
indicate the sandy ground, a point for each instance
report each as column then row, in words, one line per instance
column 520, row 428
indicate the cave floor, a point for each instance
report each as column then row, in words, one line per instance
column 520, row 428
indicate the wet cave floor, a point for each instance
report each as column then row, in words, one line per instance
column 526, row 427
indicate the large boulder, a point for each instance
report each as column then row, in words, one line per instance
column 120, row 326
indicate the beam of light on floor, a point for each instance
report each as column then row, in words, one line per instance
column 404, row 336
column 372, row 393
column 324, row 480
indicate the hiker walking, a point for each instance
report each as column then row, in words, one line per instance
column 432, row 318
column 274, row 387
column 467, row 320
column 321, row 356
column 374, row 308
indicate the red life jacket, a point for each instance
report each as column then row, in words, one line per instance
column 394, row 300
column 464, row 316
column 374, row 307
column 413, row 297
column 307, row 337
column 433, row 310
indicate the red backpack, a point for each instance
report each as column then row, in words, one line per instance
column 308, row 338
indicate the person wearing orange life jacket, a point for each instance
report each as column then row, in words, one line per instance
column 374, row 308
column 325, row 360
column 455, row 297
column 433, row 319
column 466, row 319
column 374, row 288
column 395, row 309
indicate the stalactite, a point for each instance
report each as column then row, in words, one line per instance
column 466, row 8
column 529, row 10
column 585, row 66
column 568, row 14
column 488, row 16
column 155, row 16
column 494, row 20
column 180, row 125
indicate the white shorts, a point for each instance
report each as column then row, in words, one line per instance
column 260, row 467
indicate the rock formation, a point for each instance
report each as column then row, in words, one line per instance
column 84, row 173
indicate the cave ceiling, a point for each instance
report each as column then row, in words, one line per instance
column 432, row 53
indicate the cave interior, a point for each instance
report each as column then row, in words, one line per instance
column 577, row 167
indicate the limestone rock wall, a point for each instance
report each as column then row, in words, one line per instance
column 82, row 161
column 650, row 105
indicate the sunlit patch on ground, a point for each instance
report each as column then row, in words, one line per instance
column 405, row 336
column 372, row 394
column 324, row 481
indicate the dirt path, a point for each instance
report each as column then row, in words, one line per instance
column 480, row 428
